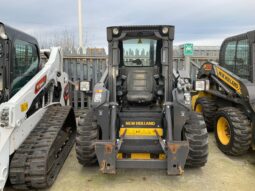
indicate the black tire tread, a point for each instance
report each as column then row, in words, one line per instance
column 195, row 133
column 241, row 128
column 209, row 108
column 87, row 134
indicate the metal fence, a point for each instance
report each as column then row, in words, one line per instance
column 79, row 68
column 90, row 66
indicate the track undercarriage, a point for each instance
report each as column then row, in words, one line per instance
column 39, row 159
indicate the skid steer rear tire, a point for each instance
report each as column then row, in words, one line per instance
column 238, row 126
column 208, row 108
column 87, row 134
column 195, row 133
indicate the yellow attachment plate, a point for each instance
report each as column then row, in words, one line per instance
column 162, row 156
column 141, row 131
column 119, row 156
column 140, row 156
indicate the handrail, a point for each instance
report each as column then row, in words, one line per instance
column 104, row 76
column 195, row 64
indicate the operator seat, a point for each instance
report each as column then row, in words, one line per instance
column 140, row 83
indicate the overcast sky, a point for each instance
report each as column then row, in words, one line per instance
column 201, row 22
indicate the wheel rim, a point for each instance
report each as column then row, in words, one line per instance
column 223, row 130
column 198, row 108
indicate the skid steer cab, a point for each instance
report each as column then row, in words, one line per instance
column 19, row 60
column 226, row 94
column 141, row 113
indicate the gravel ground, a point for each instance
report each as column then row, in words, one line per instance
column 221, row 173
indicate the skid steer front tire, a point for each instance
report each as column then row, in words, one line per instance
column 207, row 107
column 233, row 131
column 87, row 134
column 195, row 133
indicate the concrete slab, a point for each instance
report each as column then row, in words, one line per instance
column 221, row 173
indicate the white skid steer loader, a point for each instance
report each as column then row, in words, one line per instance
column 37, row 127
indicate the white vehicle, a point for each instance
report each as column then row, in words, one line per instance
column 37, row 127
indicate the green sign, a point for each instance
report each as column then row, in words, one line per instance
column 188, row 49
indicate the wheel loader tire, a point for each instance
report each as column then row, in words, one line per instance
column 87, row 134
column 233, row 131
column 195, row 133
column 207, row 107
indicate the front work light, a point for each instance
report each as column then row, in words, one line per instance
column 85, row 86
column 202, row 85
column 165, row 30
column 115, row 31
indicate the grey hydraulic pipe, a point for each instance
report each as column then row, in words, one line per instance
column 169, row 122
column 113, row 121
column 114, row 84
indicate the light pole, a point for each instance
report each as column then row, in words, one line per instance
column 80, row 25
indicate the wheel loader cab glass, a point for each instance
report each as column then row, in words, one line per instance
column 25, row 64
column 139, row 52
column 230, row 55
column 243, row 59
column 237, row 58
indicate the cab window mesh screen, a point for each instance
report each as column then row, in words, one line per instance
column 237, row 58
column 229, row 59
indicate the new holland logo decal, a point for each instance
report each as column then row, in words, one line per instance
column 228, row 80
column 137, row 123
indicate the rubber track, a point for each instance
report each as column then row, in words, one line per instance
column 28, row 168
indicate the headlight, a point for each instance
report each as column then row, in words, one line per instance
column 85, row 86
column 2, row 32
column 165, row 30
column 115, row 31
column 202, row 85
